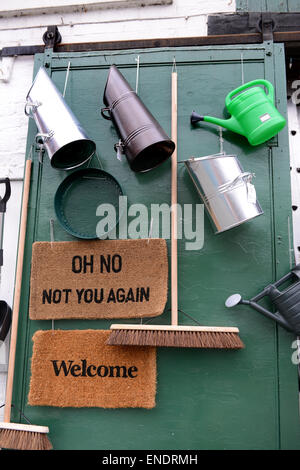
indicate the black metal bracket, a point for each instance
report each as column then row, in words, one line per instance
column 51, row 37
column 266, row 23
column 223, row 29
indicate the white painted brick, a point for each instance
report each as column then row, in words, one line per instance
column 116, row 24
column 181, row 18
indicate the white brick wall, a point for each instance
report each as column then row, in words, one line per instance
column 182, row 18
column 179, row 19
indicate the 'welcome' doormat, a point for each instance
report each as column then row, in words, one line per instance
column 98, row 279
column 77, row 369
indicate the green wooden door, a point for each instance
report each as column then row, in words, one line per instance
column 205, row 399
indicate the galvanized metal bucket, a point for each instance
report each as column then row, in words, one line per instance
column 142, row 139
column 65, row 140
column 226, row 190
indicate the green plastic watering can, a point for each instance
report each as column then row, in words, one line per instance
column 253, row 112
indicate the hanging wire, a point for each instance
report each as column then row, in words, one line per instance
column 221, row 140
column 18, row 409
column 181, row 311
column 52, row 239
column 190, row 317
column 150, row 229
column 98, row 159
column 291, row 250
column 174, row 68
column 52, row 231
column 66, row 79
column 242, row 68
column 137, row 59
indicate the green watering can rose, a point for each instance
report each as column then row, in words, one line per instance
column 253, row 112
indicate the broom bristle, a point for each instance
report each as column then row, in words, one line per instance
column 185, row 339
column 23, row 440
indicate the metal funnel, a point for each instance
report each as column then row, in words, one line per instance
column 144, row 142
column 65, row 140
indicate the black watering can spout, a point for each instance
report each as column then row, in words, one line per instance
column 286, row 302
column 273, row 316
column 195, row 117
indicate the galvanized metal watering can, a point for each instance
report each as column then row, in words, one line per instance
column 287, row 301
column 253, row 112
column 142, row 139
column 66, row 142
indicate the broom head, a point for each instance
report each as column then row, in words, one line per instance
column 24, row 437
column 175, row 336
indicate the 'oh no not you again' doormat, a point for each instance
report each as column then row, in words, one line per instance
column 98, row 279
column 75, row 368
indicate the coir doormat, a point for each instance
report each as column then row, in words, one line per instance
column 77, row 369
column 98, row 279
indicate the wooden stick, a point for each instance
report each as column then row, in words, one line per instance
column 17, row 293
column 210, row 329
column 25, row 427
column 174, row 267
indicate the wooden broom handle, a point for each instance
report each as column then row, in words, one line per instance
column 17, row 293
column 174, row 270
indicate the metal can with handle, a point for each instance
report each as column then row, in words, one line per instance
column 226, row 190
column 66, row 142
column 142, row 139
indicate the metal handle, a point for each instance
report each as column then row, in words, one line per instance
column 7, row 194
column 105, row 116
column 33, row 106
column 44, row 137
column 275, row 284
column 296, row 270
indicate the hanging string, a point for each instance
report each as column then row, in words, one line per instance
column 18, row 409
column 98, row 159
column 174, row 68
column 150, row 229
column 52, row 241
column 181, row 311
column 221, row 140
column 291, row 249
column 137, row 59
column 242, row 67
column 66, row 79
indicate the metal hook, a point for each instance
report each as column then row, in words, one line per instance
column 33, row 107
